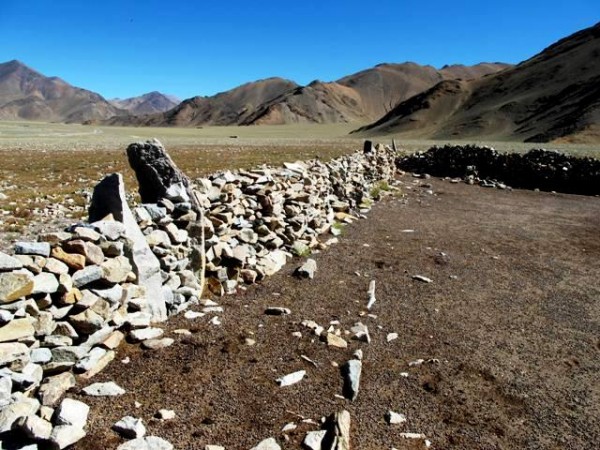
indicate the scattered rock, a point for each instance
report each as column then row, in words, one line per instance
column 291, row 378
column 422, row 278
column 32, row 248
column 72, row 412
column 146, row 443
column 65, row 435
column 314, row 439
column 108, row 389
column 130, row 427
column 308, row 269
column 335, row 341
column 157, row 344
column 277, row 311
column 351, row 372
column 165, row 414
column 267, row 444
column 394, row 418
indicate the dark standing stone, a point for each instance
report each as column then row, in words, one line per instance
column 368, row 147
column 154, row 169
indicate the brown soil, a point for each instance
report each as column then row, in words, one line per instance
column 516, row 336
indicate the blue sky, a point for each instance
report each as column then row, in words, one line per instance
column 125, row 48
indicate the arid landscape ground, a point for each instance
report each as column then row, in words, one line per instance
column 508, row 329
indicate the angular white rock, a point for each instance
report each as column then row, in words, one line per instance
column 291, row 378
column 130, row 427
column 146, row 443
column 72, row 412
column 108, row 389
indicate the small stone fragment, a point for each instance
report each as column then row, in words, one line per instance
column 165, row 414
column 130, row 427
column 335, row 341
column 156, row 344
column 32, row 248
column 34, row 427
column 308, row 269
column 394, row 418
column 16, row 329
column 314, row 439
column 108, row 389
column 72, row 412
column 422, row 278
column 291, row 378
column 144, row 334
column 267, row 444
column 53, row 388
column 277, row 311
column 146, row 443
column 65, row 435
column 351, row 372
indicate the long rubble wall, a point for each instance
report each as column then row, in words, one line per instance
column 537, row 169
column 68, row 300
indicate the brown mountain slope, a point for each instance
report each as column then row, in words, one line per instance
column 363, row 96
column 555, row 94
column 27, row 94
column 150, row 103
column 226, row 108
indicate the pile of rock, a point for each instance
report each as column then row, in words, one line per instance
column 537, row 169
column 68, row 300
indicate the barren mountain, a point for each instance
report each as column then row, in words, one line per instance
column 225, row 108
column 150, row 103
column 553, row 95
column 27, row 94
column 360, row 97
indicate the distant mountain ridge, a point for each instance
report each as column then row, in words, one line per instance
column 150, row 103
column 27, row 94
column 360, row 97
column 553, row 95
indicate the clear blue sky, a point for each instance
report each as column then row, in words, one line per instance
column 125, row 48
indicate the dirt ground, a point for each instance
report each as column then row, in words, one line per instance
column 511, row 321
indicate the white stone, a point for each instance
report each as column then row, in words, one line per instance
column 166, row 414
column 395, row 418
column 130, row 427
column 35, row 427
column 291, row 378
column 313, row 439
column 64, row 435
column 143, row 334
column 108, row 389
column 146, row 443
column 267, row 444
column 72, row 412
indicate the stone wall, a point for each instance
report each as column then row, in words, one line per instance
column 69, row 300
column 537, row 169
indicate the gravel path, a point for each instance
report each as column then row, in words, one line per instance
column 509, row 331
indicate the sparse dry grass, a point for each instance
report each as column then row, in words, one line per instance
column 46, row 164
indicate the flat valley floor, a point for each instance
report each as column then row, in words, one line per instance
column 509, row 330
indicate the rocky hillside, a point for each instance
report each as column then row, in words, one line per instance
column 553, row 95
column 150, row 103
column 27, row 94
column 360, row 97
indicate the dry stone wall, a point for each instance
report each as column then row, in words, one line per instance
column 68, row 300
column 537, row 169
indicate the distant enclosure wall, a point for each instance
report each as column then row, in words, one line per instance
column 542, row 169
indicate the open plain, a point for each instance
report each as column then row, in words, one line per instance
column 507, row 331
